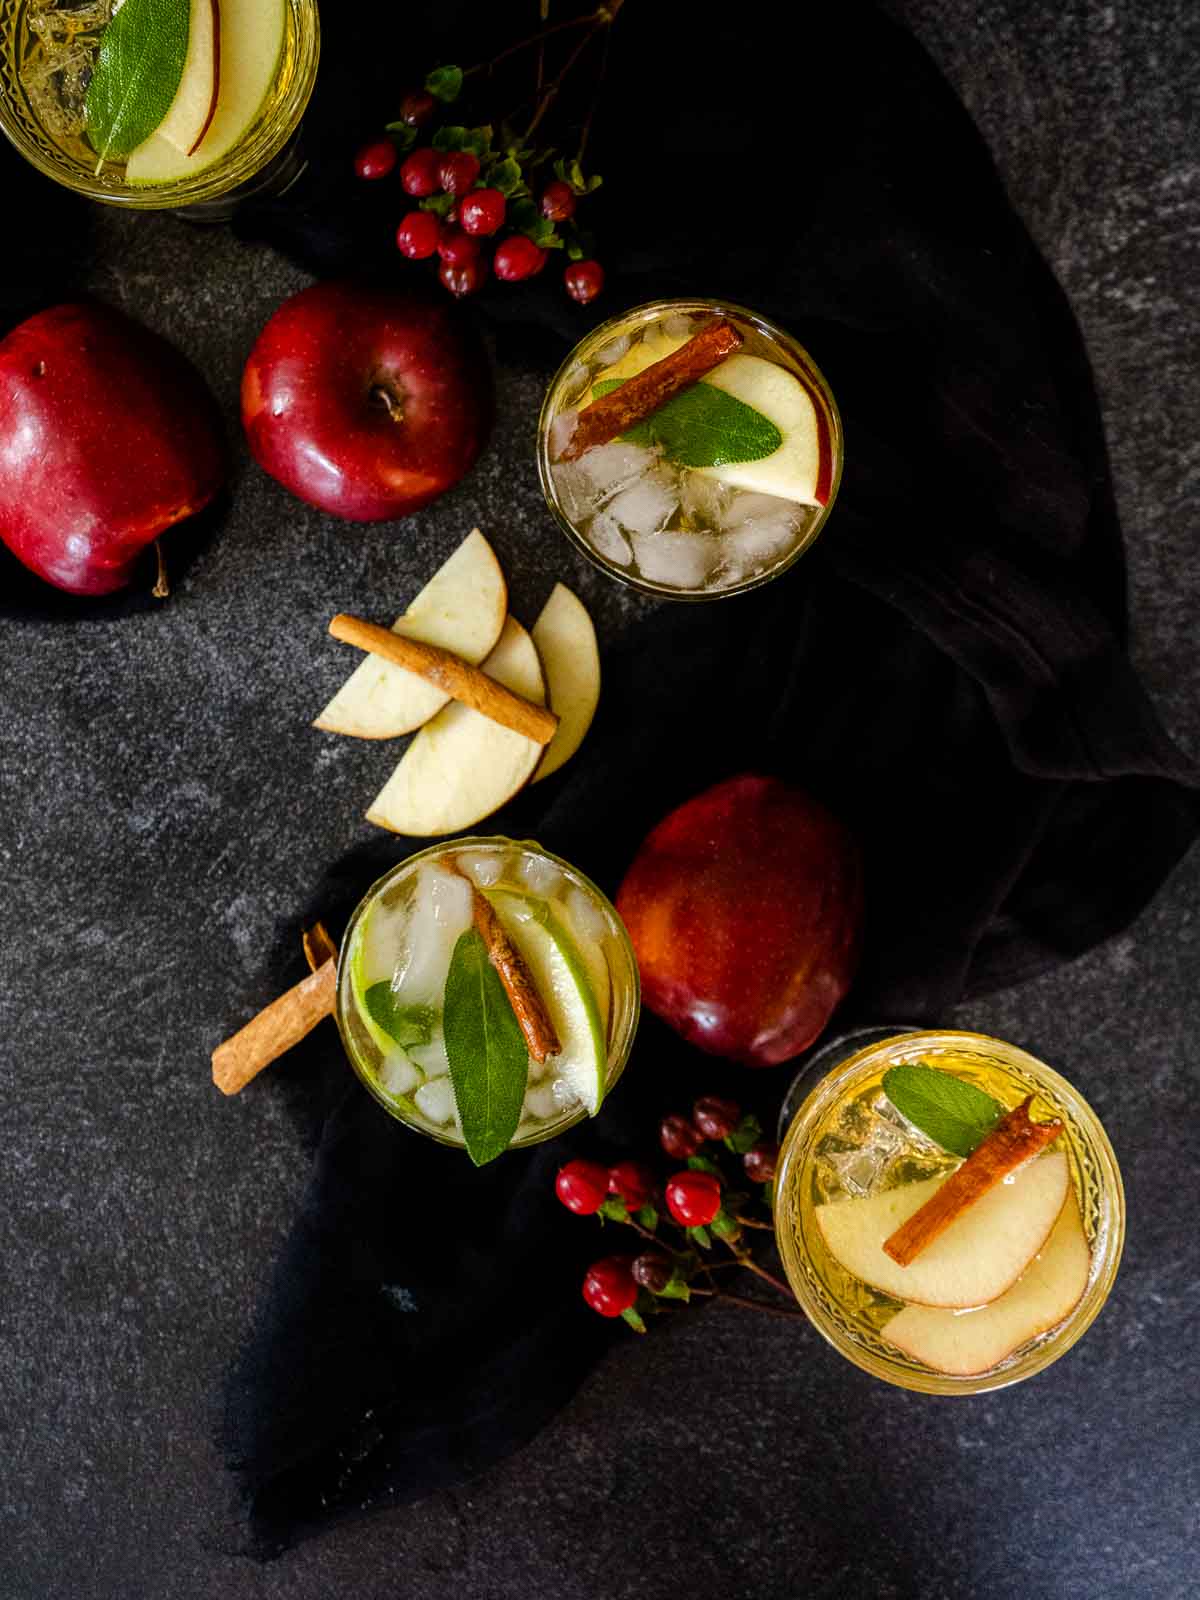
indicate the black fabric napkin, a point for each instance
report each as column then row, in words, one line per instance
column 946, row 669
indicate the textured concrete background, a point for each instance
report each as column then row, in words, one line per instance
column 155, row 847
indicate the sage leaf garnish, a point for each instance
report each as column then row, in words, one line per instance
column 702, row 426
column 138, row 68
column 489, row 1063
column 407, row 1025
column 951, row 1112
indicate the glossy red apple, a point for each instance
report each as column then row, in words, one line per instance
column 745, row 908
column 107, row 438
column 368, row 403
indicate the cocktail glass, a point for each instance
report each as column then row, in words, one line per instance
column 48, row 50
column 674, row 531
column 413, row 1083
column 847, row 1140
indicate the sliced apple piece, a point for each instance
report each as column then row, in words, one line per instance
column 249, row 44
column 965, row 1343
column 462, row 608
column 462, row 766
column 566, row 642
column 195, row 103
column 980, row 1255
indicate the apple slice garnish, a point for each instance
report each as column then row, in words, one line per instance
column 195, row 103
column 982, row 1253
column 462, row 608
column 247, row 43
column 566, row 642
column 963, row 1344
column 462, row 766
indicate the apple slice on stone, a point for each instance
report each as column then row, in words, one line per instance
column 980, row 1255
column 462, row 608
column 965, row 1343
column 249, row 44
column 462, row 766
column 566, row 642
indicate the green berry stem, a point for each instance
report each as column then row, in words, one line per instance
column 550, row 93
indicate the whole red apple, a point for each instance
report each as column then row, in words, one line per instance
column 368, row 403
column 745, row 908
column 107, row 438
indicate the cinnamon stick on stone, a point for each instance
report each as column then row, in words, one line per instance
column 640, row 396
column 283, row 1024
column 451, row 674
column 1012, row 1142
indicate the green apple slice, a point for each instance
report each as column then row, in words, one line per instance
column 195, row 103
column 966, row 1343
column 980, row 1255
column 251, row 42
column 561, row 974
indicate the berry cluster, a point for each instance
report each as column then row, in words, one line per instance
column 476, row 209
column 701, row 1200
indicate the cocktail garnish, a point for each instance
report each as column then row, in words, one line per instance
column 486, row 1049
column 407, row 1025
column 952, row 1112
column 703, row 427
column 1012, row 1142
column 621, row 409
column 528, row 1007
column 451, row 674
column 141, row 60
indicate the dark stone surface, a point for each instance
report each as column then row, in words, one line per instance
column 155, row 847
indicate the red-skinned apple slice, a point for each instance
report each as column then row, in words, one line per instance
column 963, row 1344
column 980, row 1255
column 191, row 112
column 566, row 642
column 462, row 766
column 462, row 608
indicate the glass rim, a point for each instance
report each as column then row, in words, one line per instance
column 773, row 331
column 265, row 142
column 619, row 1049
column 1109, row 1249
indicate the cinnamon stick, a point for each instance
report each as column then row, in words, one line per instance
column 1012, row 1142
column 541, row 1038
column 283, row 1024
column 318, row 946
column 640, row 396
column 451, row 674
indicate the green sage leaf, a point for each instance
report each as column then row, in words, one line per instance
column 137, row 73
column 702, row 426
column 445, row 84
column 952, row 1112
column 407, row 1025
column 489, row 1063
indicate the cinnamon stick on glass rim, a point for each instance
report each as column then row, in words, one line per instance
column 1012, row 1142
column 639, row 397
column 451, row 674
column 541, row 1037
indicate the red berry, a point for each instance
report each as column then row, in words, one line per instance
column 458, row 171
column 518, row 258
column 609, row 1287
column 632, row 1182
column 456, row 247
column 417, row 108
column 482, row 211
column 419, row 174
column 463, row 277
column 418, row 234
column 375, row 160
column 558, row 201
column 582, row 1186
column 694, row 1198
column 652, row 1271
column 584, row 280
column 759, row 1162
column 716, row 1118
column 679, row 1138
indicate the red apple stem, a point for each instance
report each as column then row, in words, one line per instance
column 162, row 584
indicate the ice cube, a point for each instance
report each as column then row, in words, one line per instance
column 540, row 1102
column 540, row 875
column 431, row 1058
column 676, row 560
column 743, row 506
column 576, row 496
column 586, row 916
column 678, row 326
column 564, row 1096
column 646, row 504
column 613, row 350
column 757, row 543
column 435, row 1100
column 397, row 1075
column 609, row 467
column 483, row 866
column 575, row 382
column 441, row 912
column 606, row 538
column 704, row 500
column 561, row 430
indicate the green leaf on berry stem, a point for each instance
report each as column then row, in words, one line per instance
column 402, row 135
column 703, row 426
column 648, row 1217
column 571, row 172
column 477, row 140
column 634, row 1319
column 702, row 1237
column 747, row 1134
column 703, row 1164
column 675, row 1288
column 439, row 204
column 614, row 1208
column 506, row 176
column 445, row 84
column 725, row 1226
